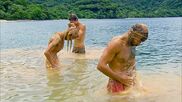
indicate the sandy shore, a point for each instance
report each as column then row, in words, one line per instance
column 3, row 20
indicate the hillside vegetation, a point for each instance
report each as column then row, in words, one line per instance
column 100, row 9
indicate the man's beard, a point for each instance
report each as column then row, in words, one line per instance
column 134, row 44
column 131, row 42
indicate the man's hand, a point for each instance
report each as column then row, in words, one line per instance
column 125, row 79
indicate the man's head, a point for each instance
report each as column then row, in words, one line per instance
column 138, row 33
column 73, row 18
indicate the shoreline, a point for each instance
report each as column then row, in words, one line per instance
column 24, row 20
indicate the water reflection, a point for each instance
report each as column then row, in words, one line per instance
column 54, row 82
column 67, row 81
column 79, row 74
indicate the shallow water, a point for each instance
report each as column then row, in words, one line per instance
column 24, row 77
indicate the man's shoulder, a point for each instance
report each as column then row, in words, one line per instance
column 117, row 41
column 82, row 25
column 113, row 46
column 114, row 43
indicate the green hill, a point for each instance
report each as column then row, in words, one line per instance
column 59, row 9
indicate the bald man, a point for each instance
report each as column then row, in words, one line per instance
column 118, row 59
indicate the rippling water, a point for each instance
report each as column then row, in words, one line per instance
column 24, row 77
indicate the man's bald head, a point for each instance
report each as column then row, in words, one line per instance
column 141, row 29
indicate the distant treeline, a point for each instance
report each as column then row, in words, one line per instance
column 59, row 9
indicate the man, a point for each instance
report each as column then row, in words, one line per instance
column 118, row 59
column 56, row 43
column 79, row 46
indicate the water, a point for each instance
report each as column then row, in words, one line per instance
column 24, row 77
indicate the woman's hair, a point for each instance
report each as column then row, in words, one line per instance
column 70, row 34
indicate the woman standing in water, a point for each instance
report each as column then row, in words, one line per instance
column 56, row 43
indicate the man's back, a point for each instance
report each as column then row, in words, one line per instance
column 57, row 40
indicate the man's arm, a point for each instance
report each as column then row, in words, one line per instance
column 106, row 58
column 47, row 53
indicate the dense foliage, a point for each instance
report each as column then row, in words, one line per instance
column 59, row 9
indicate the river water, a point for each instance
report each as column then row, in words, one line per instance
column 24, row 77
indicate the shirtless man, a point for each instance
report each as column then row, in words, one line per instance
column 118, row 59
column 56, row 43
column 79, row 46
